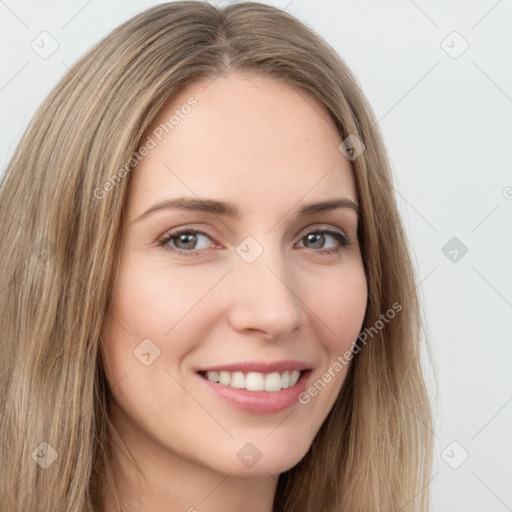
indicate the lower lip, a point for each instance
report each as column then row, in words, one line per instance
column 259, row 402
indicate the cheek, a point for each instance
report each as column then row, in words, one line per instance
column 150, row 328
column 340, row 311
column 155, row 303
column 340, row 304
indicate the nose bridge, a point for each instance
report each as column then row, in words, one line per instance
column 265, row 296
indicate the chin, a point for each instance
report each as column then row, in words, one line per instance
column 262, row 458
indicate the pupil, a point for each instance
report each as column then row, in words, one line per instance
column 187, row 239
column 318, row 236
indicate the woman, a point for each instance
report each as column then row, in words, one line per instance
column 209, row 302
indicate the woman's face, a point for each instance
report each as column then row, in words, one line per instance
column 253, row 299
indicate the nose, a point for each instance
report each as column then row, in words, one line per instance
column 266, row 299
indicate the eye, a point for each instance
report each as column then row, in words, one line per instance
column 319, row 237
column 183, row 241
column 187, row 242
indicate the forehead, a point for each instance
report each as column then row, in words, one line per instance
column 247, row 138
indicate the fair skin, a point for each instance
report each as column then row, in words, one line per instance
column 269, row 150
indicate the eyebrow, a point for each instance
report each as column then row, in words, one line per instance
column 230, row 210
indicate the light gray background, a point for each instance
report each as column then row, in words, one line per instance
column 446, row 119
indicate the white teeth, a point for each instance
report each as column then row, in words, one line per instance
column 294, row 377
column 273, row 382
column 255, row 381
column 237, row 380
column 224, row 378
column 213, row 376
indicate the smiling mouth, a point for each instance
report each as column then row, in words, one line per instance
column 255, row 381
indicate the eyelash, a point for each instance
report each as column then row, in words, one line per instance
column 341, row 238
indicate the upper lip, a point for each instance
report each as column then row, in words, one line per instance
column 259, row 366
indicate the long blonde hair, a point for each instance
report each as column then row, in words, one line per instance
column 60, row 246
